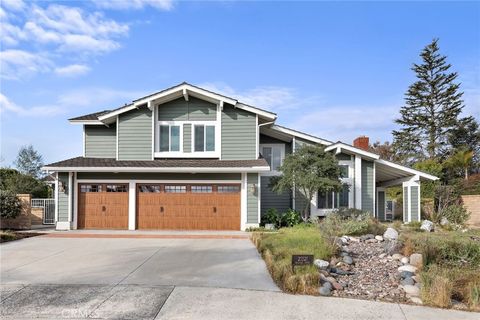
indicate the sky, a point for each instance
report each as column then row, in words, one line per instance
column 337, row 70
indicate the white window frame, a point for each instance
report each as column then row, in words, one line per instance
column 282, row 156
column 214, row 153
column 159, row 153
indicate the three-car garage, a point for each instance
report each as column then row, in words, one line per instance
column 168, row 206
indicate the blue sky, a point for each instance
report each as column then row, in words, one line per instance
column 333, row 69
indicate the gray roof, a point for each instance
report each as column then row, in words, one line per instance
column 90, row 116
column 157, row 163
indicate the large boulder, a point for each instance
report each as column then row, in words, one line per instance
column 392, row 247
column 427, row 225
column 416, row 259
column 408, row 268
column 348, row 260
column 325, row 290
column 411, row 290
column 390, row 234
column 444, row 221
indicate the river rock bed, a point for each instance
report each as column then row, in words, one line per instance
column 375, row 273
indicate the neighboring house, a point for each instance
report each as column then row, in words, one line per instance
column 189, row 158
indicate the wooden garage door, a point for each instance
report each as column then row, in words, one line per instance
column 188, row 206
column 103, row 206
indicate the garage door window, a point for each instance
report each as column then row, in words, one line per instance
column 149, row 189
column 116, row 188
column 91, row 188
column 228, row 189
column 202, row 189
column 176, row 189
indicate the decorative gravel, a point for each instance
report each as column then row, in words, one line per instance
column 374, row 278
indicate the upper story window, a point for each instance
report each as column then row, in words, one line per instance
column 273, row 154
column 169, row 138
column 344, row 170
column 204, row 137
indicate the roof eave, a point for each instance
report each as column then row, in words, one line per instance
column 153, row 169
column 345, row 147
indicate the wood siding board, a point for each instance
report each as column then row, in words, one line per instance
column 238, row 134
column 405, row 204
column 367, row 186
column 63, row 197
column 135, row 135
column 187, row 137
column 181, row 110
column 271, row 199
column 414, row 203
column 343, row 156
column 381, row 205
column 252, row 198
column 100, row 141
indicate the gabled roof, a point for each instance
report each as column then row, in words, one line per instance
column 80, row 164
column 352, row 150
column 183, row 89
column 300, row 134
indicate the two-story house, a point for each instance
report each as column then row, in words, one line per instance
column 189, row 158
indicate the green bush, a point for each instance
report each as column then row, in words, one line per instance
column 280, row 220
column 344, row 224
column 291, row 218
column 270, row 217
column 456, row 214
column 10, row 205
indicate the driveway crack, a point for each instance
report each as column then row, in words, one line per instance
column 165, row 301
column 31, row 262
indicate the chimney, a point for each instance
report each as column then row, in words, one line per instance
column 361, row 143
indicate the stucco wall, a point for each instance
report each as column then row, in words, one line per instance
column 472, row 204
column 23, row 220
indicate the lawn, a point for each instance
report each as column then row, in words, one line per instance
column 277, row 250
column 8, row 235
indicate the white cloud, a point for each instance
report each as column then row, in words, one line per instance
column 72, row 70
column 14, row 5
column 97, row 98
column 51, row 31
column 37, row 111
column 164, row 5
column 16, row 64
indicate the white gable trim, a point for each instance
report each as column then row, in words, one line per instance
column 164, row 169
column 300, row 135
column 343, row 146
column 407, row 169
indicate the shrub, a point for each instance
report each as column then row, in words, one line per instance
column 277, row 250
column 279, row 220
column 270, row 217
column 10, row 205
column 344, row 224
column 291, row 218
column 456, row 214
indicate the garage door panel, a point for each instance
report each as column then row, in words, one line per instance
column 188, row 210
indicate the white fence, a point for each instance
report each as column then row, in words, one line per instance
column 48, row 206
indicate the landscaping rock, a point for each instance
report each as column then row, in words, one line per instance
column 390, row 234
column 341, row 272
column 367, row 237
column 344, row 239
column 379, row 238
column 391, row 247
column 407, row 282
column 444, row 221
column 327, row 285
column 397, row 256
column 406, row 274
column 321, row 264
column 416, row 259
column 408, row 268
column 383, row 255
column 404, row 260
column 416, row 300
column 334, row 283
column 348, row 260
column 427, row 225
column 370, row 241
column 353, row 239
column 325, row 291
column 344, row 254
column 411, row 290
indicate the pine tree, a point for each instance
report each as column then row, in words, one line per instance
column 432, row 107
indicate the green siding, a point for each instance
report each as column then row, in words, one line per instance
column 194, row 109
column 343, row 156
column 252, row 198
column 381, row 205
column 238, row 134
column 367, row 186
column 187, row 137
column 271, row 199
column 414, row 204
column 158, row 176
column 63, row 197
column 405, row 204
column 135, row 135
column 101, row 141
column 301, row 201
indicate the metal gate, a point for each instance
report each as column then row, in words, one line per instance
column 48, row 206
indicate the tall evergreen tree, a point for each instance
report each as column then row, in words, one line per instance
column 466, row 135
column 432, row 107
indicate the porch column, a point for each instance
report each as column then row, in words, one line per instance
column 411, row 200
column 132, row 205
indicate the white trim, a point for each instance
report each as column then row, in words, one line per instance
column 243, row 201
column 169, row 154
column 132, row 199
column 263, row 113
column 153, row 131
column 116, row 138
column 56, row 197
column 407, row 169
column 218, row 137
column 93, row 122
column 164, row 169
column 301, row 135
column 84, row 141
column 70, row 199
column 374, row 193
column 398, row 181
column 75, row 203
column 62, row 225
column 282, row 156
column 257, row 138
column 343, row 146
column 158, row 181
column 259, row 195
column 205, row 154
column 358, row 182
column 185, row 94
